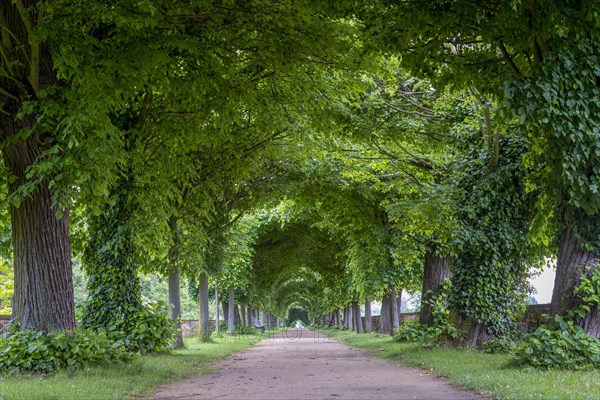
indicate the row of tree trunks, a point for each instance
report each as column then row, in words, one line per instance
column 389, row 319
column 357, row 318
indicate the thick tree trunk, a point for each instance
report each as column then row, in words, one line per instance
column 204, row 331
column 368, row 320
column 399, row 300
column 174, row 282
column 358, row 318
column 231, row 313
column 338, row 319
column 436, row 272
column 43, row 285
column 572, row 263
column 395, row 314
column 385, row 320
column 175, row 305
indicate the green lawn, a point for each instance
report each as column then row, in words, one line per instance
column 486, row 373
column 137, row 379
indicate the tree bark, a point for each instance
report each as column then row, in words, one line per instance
column 338, row 313
column 573, row 262
column 399, row 300
column 236, row 313
column 225, row 306
column 174, row 282
column 395, row 315
column 385, row 321
column 243, row 315
column 358, row 318
column 204, row 331
column 368, row 320
column 250, row 319
column 231, row 306
column 43, row 284
column 175, row 305
column 436, row 272
column 217, row 313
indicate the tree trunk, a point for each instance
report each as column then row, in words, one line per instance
column 217, row 313
column 358, row 318
column 236, row 313
column 110, row 262
column 368, row 320
column 175, row 305
column 395, row 315
column 338, row 319
column 436, row 272
column 204, row 331
column 174, row 282
column 243, row 315
column 385, row 321
column 231, row 316
column 572, row 263
column 43, row 284
column 225, row 306
column 399, row 300
column 250, row 319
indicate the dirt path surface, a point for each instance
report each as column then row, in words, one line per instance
column 305, row 365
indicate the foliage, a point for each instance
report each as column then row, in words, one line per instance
column 35, row 351
column 566, row 346
column 148, row 329
column 138, row 378
column 244, row 330
column 589, row 293
column 493, row 249
column 505, row 344
column 442, row 329
column 6, row 286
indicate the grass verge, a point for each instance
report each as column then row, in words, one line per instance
column 488, row 374
column 137, row 379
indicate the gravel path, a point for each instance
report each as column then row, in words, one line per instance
column 305, row 365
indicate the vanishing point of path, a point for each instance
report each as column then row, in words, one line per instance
column 305, row 365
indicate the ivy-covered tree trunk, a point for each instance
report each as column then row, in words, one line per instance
column 572, row 263
column 436, row 272
column 43, row 289
column 357, row 318
column 231, row 310
column 113, row 285
column 174, row 282
column 204, row 332
column 368, row 318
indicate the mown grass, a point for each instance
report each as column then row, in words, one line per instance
column 489, row 374
column 137, row 379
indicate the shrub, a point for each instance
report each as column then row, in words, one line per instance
column 244, row 330
column 35, row 351
column 413, row 331
column 566, row 346
column 148, row 329
column 505, row 344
